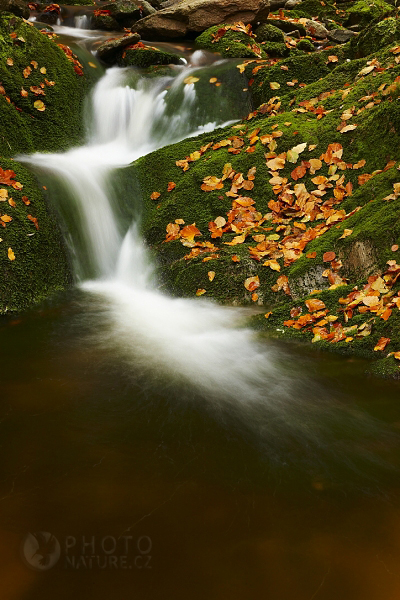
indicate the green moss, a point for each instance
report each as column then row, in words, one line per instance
column 375, row 37
column 306, row 45
column 23, row 127
column 316, row 9
column 232, row 44
column 289, row 25
column 106, row 22
column 146, row 57
column 269, row 33
column 40, row 267
column 80, row 2
column 363, row 12
column 275, row 49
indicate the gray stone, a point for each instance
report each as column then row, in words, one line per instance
column 292, row 4
column 341, row 36
column 194, row 16
column 316, row 29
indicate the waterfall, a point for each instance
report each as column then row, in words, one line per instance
column 192, row 341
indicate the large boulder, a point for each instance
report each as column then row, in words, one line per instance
column 16, row 7
column 189, row 17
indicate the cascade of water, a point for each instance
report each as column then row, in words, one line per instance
column 192, row 340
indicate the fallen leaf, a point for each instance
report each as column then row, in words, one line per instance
column 171, row 186
column 155, row 195
column 381, row 344
column 190, row 80
column 11, row 254
column 329, row 256
column 274, row 85
column 211, row 275
column 252, row 283
column 38, row 104
column 348, row 128
column 313, row 304
column 346, row 233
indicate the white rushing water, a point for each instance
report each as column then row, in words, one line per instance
column 190, row 338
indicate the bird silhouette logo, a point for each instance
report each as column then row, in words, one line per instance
column 40, row 550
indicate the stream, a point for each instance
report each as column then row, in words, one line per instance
column 162, row 448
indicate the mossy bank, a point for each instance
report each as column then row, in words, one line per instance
column 312, row 173
column 41, row 99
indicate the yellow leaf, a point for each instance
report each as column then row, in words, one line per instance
column 200, row 292
column 11, row 254
column 190, row 80
column 346, row 233
column 274, row 85
column 211, row 275
column 38, row 104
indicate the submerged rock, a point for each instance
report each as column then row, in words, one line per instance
column 189, row 17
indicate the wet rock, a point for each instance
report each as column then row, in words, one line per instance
column 16, row 7
column 341, row 36
column 189, row 17
column 104, row 21
column 233, row 44
column 276, row 5
column 305, row 45
column 109, row 49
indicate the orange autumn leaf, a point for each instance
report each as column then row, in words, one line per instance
column 155, row 195
column 34, row 220
column 254, row 297
column 311, row 255
column 6, row 176
column 314, row 304
column 189, row 231
column 6, row 218
column 200, row 292
column 298, row 172
column 329, row 256
column 382, row 343
column 171, row 186
column 252, row 283
column 236, row 258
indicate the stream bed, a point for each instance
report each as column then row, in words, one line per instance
column 154, row 447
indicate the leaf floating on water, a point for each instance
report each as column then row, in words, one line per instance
column 11, row 254
column 189, row 80
column 39, row 105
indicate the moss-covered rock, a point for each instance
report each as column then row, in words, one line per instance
column 255, row 230
column 305, row 45
column 104, row 21
column 143, row 57
column 363, row 12
column 269, row 33
column 42, row 91
column 33, row 260
column 275, row 49
column 231, row 44
column 375, row 37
